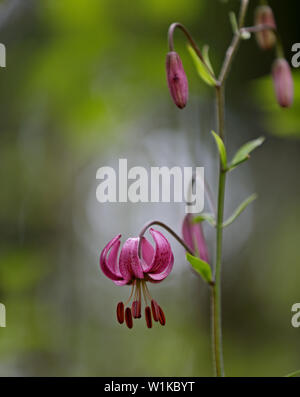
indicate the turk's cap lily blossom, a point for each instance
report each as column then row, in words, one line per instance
column 193, row 236
column 154, row 265
column 177, row 80
column 283, row 82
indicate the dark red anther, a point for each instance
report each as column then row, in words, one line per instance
column 161, row 316
column 148, row 317
column 128, row 317
column 155, row 310
column 120, row 312
column 136, row 309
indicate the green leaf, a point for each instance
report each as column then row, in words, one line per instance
column 240, row 209
column 233, row 22
column 201, row 267
column 205, row 217
column 222, row 150
column 243, row 153
column 205, row 52
column 291, row 375
column 204, row 72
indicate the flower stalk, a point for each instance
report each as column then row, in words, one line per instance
column 168, row 229
column 216, row 309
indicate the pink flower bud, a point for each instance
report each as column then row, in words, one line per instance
column 194, row 238
column 283, row 82
column 177, row 80
column 266, row 39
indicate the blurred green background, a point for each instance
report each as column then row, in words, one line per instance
column 84, row 86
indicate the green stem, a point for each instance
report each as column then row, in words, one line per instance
column 216, row 288
column 221, row 110
column 217, row 318
column 178, row 25
column 232, row 49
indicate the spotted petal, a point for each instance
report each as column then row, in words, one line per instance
column 108, row 259
column 129, row 262
column 162, row 256
column 158, row 277
column 147, row 254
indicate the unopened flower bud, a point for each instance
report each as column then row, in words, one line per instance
column 177, row 80
column 283, row 82
column 194, row 238
column 266, row 39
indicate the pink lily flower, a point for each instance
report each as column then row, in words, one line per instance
column 193, row 236
column 153, row 265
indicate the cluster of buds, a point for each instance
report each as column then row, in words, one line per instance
column 281, row 71
column 267, row 38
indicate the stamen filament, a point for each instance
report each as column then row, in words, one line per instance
column 148, row 292
column 132, row 289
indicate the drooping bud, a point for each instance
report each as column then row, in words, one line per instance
column 128, row 318
column 148, row 317
column 266, row 39
column 136, row 309
column 193, row 236
column 120, row 312
column 177, row 80
column 283, row 82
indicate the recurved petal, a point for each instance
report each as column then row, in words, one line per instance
column 147, row 254
column 157, row 277
column 163, row 252
column 121, row 282
column 108, row 262
column 112, row 258
column 129, row 262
